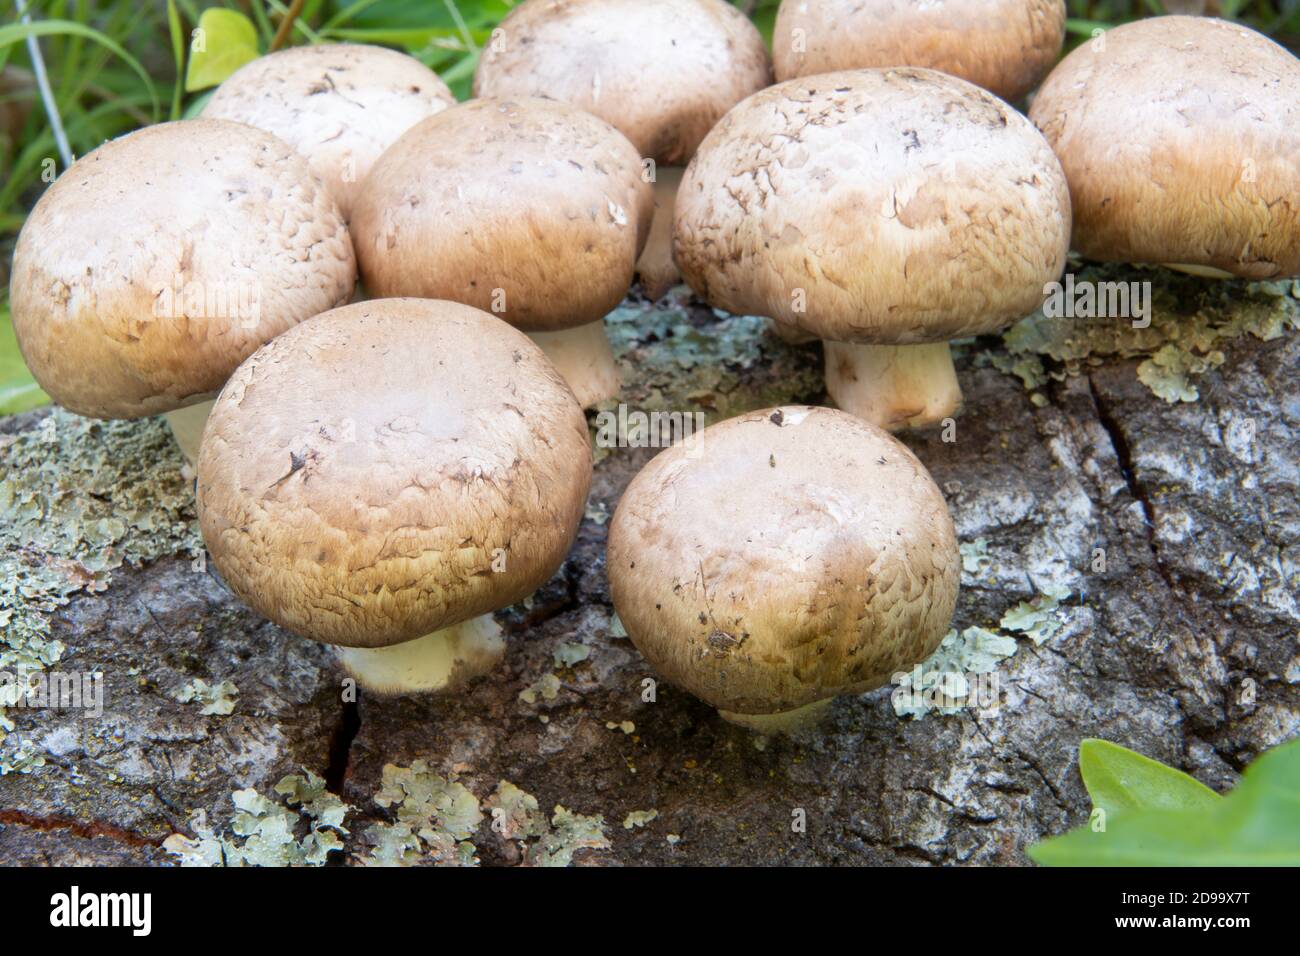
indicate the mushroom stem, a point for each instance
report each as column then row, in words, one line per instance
column 893, row 386
column 1205, row 272
column 583, row 356
column 656, row 268
column 783, row 722
column 436, row 661
column 187, row 427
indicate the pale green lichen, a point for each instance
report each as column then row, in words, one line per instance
column 570, row 654
column 547, row 687
column 1191, row 322
column 78, row 499
column 24, row 757
column 974, row 557
column 516, row 816
column 269, row 830
column 675, row 359
column 941, row 684
column 217, row 699
column 626, row 726
column 639, row 818
column 434, row 818
column 1039, row 619
column 569, row 833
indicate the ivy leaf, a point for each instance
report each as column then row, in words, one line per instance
column 1256, row 824
column 1119, row 779
column 225, row 41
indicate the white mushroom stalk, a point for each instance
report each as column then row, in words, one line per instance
column 442, row 660
column 186, row 425
column 583, row 356
column 656, row 268
column 894, row 386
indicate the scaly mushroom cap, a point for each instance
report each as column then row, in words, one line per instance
column 783, row 557
column 528, row 208
column 1180, row 138
column 339, row 105
column 662, row 73
column 891, row 207
column 157, row 263
column 1004, row 46
column 391, row 468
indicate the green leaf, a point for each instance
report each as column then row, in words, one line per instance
column 1256, row 824
column 178, row 55
column 1119, row 779
column 229, row 41
column 18, row 390
column 19, row 32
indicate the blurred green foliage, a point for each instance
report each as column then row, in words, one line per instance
column 115, row 65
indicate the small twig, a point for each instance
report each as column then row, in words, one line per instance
column 282, row 34
column 43, row 84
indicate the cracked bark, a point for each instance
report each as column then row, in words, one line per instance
column 1197, row 600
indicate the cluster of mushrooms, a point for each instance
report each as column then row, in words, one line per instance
column 387, row 463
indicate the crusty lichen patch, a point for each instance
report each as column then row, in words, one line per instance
column 79, row 498
column 1191, row 321
column 516, row 816
column 301, row 831
column 673, row 358
column 941, row 683
column 434, row 818
column 214, row 699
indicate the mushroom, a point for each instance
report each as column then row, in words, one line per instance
column 339, row 105
column 157, row 263
column 386, row 474
column 885, row 211
column 528, row 208
column 661, row 73
column 1180, row 139
column 1005, row 46
column 787, row 557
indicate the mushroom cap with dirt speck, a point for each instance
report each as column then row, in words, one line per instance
column 1180, row 138
column 1004, row 46
column 889, row 207
column 157, row 263
column 528, row 208
column 391, row 468
column 784, row 557
column 663, row 73
column 339, row 105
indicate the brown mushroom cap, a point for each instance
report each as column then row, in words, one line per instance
column 790, row 555
column 662, row 72
column 528, row 208
column 1004, row 46
column 339, row 105
column 359, row 473
column 157, row 263
column 876, row 206
column 1180, row 138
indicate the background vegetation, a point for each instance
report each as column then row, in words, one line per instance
column 115, row 65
